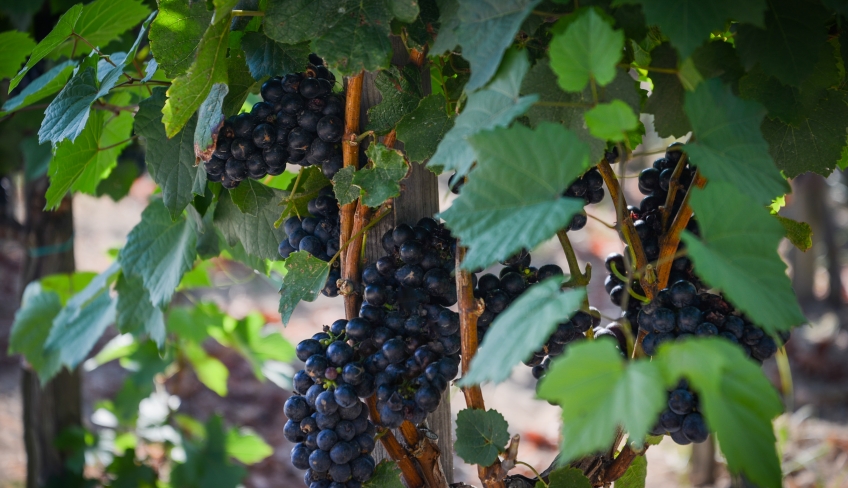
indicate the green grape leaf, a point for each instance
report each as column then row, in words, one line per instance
column 170, row 161
column 129, row 474
column 611, row 121
column 718, row 59
column 816, row 145
column 588, row 49
column 102, row 22
column 728, row 143
column 188, row 91
column 485, row 32
column 115, row 136
column 382, row 181
column 635, row 475
column 33, row 321
column 401, row 92
column 266, row 57
column 499, row 213
column 36, row 158
column 256, row 234
column 736, row 398
column 494, row 106
column 207, row 463
column 737, row 253
column 67, row 285
column 688, row 23
column 567, row 477
column 304, row 279
column 63, row 29
column 422, row 129
column 312, row 180
column 296, row 21
column 788, row 103
column 449, row 23
column 522, row 329
column 568, row 109
column 160, row 251
column 247, row 447
column 15, row 46
column 73, row 335
column 405, row 11
column 67, row 114
column 666, row 100
column 175, row 34
column 42, row 87
column 359, row 40
column 209, row 121
column 480, row 435
column 239, row 81
column 210, row 370
column 250, row 194
column 136, row 314
column 598, row 392
column 800, row 234
column 788, row 47
column 386, row 475
column 343, row 187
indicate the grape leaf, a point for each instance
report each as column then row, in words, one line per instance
column 513, row 199
column 114, row 138
column 736, row 399
column 568, row 108
column 588, row 49
column 666, row 100
column 611, row 121
column 102, row 22
column 67, row 114
column 42, row 87
column 170, row 161
column 304, row 279
column 480, row 435
column 188, row 91
column 522, row 329
column 266, row 57
column 635, row 475
column 239, row 81
column 359, row 40
column 422, row 129
column 688, row 23
column 382, row 181
column 800, row 234
column 598, row 392
column 36, row 158
column 737, row 253
column 295, row 21
column 250, row 194
column 33, row 321
column 484, row 30
column 160, row 251
column 405, row 11
column 449, row 23
column 728, row 143
column 494, row 106
column 343, row 187
column 788, row 47
column 312, row 180
column 175, row 34
column 209, row 121
column 73, row 336
column 207, row 464
column 401, row 93
column 247, row 447
column 256, row 233
column 816, row 145
column 64, row 28
column 386, row 475
column 567, row 477
column 135, row 313
column 210, row 370
column 15, row 46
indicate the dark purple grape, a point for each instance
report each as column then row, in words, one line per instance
column 308, row 120
column 330, row 128
column 256, row 167
column 320, row 461
column 264, row 135
column 243, row 125
column 695, row 427
column 300, row 456
column 272, row 90
column 241, row 149
column 339, row 353
column 670, row 421
column 291, row 104
column 358, row 329
column 292, row 432
column 215, row 166
column 310, row 88
column 296, row 408
column 682, row 294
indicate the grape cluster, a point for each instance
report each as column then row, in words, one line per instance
column 590, row 187
column 681, row 418
column 326, row 419
column 407, row 336
column 299, row 121
column 317, row 234
column 498, row 292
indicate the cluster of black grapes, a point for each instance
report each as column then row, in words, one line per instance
column 681, row 418
column 318, row 235
column 299, row 121
column 326, row 419
column 498, row 292
column 407, row 336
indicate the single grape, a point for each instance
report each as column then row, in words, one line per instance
column 300, row 456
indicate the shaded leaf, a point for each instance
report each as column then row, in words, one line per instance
column 343, row 187
column 386, row 475
column 42, row 87
column 480, row 435
column 256, row 234
column 588, row 49
column 64, row 27
column 304, row 279
column 382, row 181
column 567, row 478
column 295, row 21
column 240, row 83
column 666, row 100
column 136, row 314
column 635, row 475
column 401, row 93
column 422, row 129
column 175, row 34
column 359, row 40
column 266, row 57
column 31, row 327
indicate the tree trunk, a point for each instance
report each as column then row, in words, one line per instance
column 51, row 408
column 702, row 470
column 419, row 198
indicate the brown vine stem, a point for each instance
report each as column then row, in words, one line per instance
column 626, row 224
column 673, row 187
column 410, row 474
column 619, row 465
column 669, row 243
column 491, row 476
column 350, row 157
